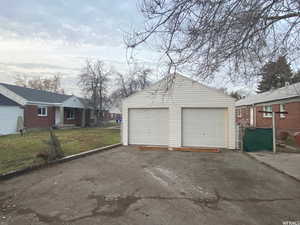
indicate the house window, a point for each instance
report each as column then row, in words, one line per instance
column 282, row 109
column 267, row 108
column 42, row 111
column 71, row 114
column 239, row 113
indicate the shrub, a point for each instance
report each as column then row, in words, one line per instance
column 54, row 151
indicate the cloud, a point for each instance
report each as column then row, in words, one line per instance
column 74, row 21
column 43, row 38
column 30, row 66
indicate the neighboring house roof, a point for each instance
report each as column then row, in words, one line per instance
column 290, row 91
column 34, row 95
column 6, row 101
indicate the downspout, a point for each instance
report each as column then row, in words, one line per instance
column 254, row 115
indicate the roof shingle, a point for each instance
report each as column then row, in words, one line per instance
column 34, row 95
column 290, row 91
column 6, row 101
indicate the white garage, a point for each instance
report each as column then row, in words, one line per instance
column 9, row 113
column 189, row 114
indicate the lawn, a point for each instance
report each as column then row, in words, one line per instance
column 18, row 152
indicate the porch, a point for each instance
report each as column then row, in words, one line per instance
column 72, row 117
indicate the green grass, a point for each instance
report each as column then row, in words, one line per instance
column 18, row 152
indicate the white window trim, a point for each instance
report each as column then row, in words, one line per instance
column 282, row 110
column 267, row 115
column 239, row 113
column 46, row 111
column 73, row 117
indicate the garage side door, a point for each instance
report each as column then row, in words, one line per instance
column 8, row 119
column 203, row 127
column 148, row 126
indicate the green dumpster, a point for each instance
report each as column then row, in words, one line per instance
column 258, row 139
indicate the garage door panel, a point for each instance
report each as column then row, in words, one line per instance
column 148, row 126
column 203, row 127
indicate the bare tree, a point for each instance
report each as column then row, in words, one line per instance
column 128, row 84
column 94, row 80
column 208, row 34
column 46, row 84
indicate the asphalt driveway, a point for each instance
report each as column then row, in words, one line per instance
column 127, row 186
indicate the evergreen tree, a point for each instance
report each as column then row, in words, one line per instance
column 275, row 75
column 236, row 95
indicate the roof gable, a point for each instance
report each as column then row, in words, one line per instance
column 73, row 102
column 7, row 102
column 33, row 95
column 182, row 89
column 206, row 87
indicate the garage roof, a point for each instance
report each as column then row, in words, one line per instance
column 290, row 91
column 6, row 101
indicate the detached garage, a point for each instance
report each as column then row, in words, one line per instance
column 189, row 114
column 9, row 113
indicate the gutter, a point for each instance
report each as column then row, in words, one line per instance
column 51, row 104
column 43, row 103
column 278, row 99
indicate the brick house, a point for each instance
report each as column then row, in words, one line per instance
column 43, row 109
column 285, row 99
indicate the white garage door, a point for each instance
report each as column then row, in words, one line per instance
column 148, row 126
column 8, row 119
column 203, row 127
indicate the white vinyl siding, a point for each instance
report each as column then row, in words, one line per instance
column 203, row 127
column 185, row 93
column 148, row 126
column 9, row 118
column 73, row 102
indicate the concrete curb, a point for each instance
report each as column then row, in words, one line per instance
column 272, row 167
column 15, row 173
column 291, row 148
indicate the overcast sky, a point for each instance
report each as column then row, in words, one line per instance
column 46, row 37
